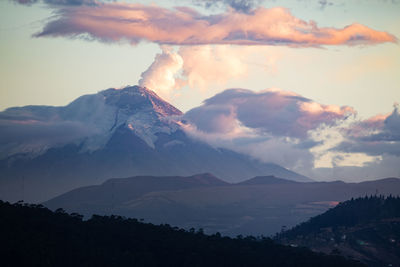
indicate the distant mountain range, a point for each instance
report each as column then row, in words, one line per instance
column 114, row 133
column 366, row 229
column 258, row 206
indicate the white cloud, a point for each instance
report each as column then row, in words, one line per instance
column 161, row 76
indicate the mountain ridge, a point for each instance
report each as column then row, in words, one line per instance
column 260, row 180
column 231, row 209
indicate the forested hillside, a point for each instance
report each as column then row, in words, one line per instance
column 35, row 236
column 367, row 229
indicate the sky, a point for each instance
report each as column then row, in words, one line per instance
column 314, row 82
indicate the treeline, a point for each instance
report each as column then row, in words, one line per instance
column 32, row 235
column 350, row 213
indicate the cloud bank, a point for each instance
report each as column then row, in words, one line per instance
column 320, row 141
column 134, row 23
column 275, row 112
column 375, row 136
column 34, row 136
column 270, row 125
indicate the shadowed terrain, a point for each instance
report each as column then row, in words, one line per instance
column 35, row 236
column 259, row 206
column 366, row 229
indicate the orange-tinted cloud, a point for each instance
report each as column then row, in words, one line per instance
column 115, row 22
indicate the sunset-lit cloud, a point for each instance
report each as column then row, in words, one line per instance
column 275, row 112
column 204, row 65
column 301, row 134
column 134, row 23
column 201, row 67
column 270, row 125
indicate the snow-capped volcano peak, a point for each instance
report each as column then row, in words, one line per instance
column 136, row 109
column 134, row 98
column 94, row 119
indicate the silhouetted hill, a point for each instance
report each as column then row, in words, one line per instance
column 260, row 206
column 367, row 229
column 34, row 236
column 115, row 192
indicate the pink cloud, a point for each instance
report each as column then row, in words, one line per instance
column 279, row 113
column 366, row 127
column 114, row 22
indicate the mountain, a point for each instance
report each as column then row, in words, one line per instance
column 366, row 229
column 261, row 208
column 100, row 199
column 260, row 180
column 115, row 133
column 35, row 236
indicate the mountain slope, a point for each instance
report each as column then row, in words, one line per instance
column 101, row 199
column 115, row 133
column 367, row 229
column 232, row 209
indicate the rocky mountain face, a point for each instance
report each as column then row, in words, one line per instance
column 115, row 133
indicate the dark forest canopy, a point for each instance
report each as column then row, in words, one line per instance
column 35, row 236
column 350, row 213
column 366, row 229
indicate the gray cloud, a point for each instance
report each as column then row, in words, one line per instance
column 375, row 136
column 239, row 5
column 324, row 3
column 59, row 2
column 20, row 136
column 36, row 128
column 25, row 2
column 71, row 2
column 388, row 166
column 44, row 132
column 370, row 148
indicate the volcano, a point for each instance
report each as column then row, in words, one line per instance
column 112, row 134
